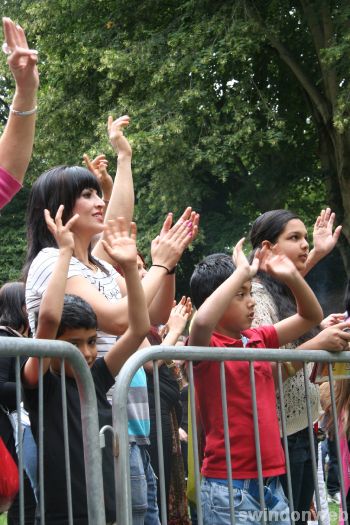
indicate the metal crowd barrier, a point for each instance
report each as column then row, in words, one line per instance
column 192, row 354
column 18, row 347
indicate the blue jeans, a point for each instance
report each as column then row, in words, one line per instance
column 30, row 457
column 216, row 505
column 143, row 487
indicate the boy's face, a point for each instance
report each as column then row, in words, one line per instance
column 85, row 340
column 239, row 314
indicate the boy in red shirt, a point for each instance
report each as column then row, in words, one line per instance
column 221, row 291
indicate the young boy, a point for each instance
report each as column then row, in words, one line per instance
column 222, row 294
column 70, row 318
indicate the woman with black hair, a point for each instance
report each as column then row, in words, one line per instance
column 281, row 231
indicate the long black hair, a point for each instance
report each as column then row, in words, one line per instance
column 59, row 185
column 268, row 227
column 13, row 306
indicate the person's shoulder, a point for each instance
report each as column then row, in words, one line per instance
column 110, row 269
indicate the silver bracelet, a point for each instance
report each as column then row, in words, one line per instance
column 23, row 113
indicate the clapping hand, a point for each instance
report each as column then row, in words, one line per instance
column 120, row 243
column 62, row 233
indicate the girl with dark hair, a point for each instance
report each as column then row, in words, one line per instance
column 14, row 323
column 281, row 231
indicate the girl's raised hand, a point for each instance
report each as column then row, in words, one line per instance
column 323, row 236
column 120, row 243
column 62, row 233
column 98, row 167
column 241, row 262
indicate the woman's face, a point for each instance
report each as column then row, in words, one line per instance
column 90, row 208
column 292, row 242
column 141, row 267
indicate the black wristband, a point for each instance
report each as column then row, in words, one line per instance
column 169, row 272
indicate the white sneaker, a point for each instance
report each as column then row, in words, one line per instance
column 335, row 498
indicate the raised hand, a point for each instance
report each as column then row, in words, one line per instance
column 169, row 245
column 241, row 261
column 98, row 167
column 323, row 236
column 116, row 135
column 120, row 243
column 179, row 315
column 62, row 233
column 279, row 265
column 22, row 61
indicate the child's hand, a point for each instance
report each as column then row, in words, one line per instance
column 280, row 266
column 62, row 234
column 241, row 261
column 179, row 315
column 116, row 136
column 98, row 167
column 169, row 245
column 119, row 244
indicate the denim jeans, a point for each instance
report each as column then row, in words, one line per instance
column 216, row 506
column 143, row 487
column 30, row 457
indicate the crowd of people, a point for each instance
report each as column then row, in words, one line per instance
column 85, row 282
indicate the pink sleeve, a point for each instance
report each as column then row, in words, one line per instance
column 8, row 187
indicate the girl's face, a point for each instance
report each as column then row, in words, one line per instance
column 292, row 242
column 90, row 208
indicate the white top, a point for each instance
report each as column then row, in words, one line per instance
column 40, row 271
column 293, row 388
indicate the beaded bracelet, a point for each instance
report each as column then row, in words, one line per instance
column 169, row 272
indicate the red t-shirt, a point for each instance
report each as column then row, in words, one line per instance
column 240, row 410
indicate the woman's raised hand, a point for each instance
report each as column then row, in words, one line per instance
column 116, row 136
column 120, row 242
column 169, row 245
column 62, row 233
column 323, row 236
column 22, row 61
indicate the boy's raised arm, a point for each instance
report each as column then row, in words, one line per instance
column 309, row 312
column 121, row 248
column 214, row 307
column 51, row 306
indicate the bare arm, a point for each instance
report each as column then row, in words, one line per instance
column 123, row 250
column 51, row 306
column 16, row 143
column 122, row 199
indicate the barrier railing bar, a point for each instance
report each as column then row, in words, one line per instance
column 195, row 442
column 227, row 439
column 337, row 444
column 66, row 443
column 41, row 443
column 285, row 440
column 14, row 347
column 19, row 441
column 164, row 519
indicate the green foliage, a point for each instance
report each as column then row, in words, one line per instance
column 219, row 121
